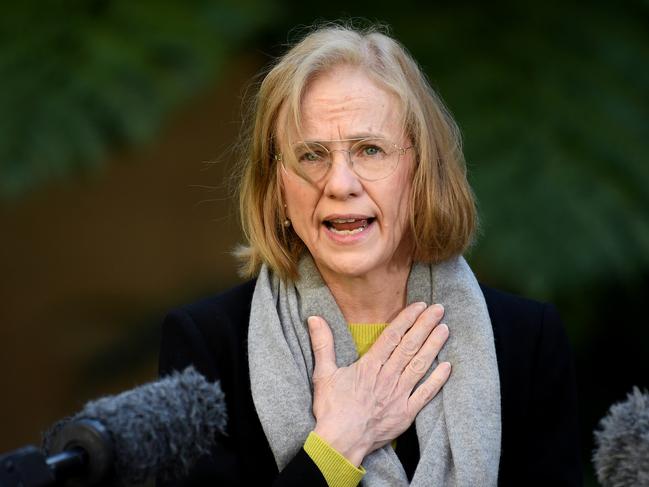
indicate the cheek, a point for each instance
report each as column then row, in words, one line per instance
column 300, row 198
column 400, row 209
column 405, row 183
column 401, row 212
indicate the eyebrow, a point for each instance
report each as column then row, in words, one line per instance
column 360, row 136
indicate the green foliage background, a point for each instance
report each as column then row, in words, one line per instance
column 552, row 98
column 79, row 78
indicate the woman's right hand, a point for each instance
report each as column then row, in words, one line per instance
column 364, row 406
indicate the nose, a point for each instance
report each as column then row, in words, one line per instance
column 341, row 180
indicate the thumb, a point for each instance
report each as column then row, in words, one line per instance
column 322, row 344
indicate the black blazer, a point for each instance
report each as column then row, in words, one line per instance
column 539, row 412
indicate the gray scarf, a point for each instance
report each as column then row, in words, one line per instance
column 458, row 431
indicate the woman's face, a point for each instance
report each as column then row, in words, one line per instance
column 344, row 103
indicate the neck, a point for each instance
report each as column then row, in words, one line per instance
column 376, row 297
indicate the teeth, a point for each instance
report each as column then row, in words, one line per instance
column 344, row 220
column 348, row 232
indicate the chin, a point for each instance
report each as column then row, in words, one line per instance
column 350, row 265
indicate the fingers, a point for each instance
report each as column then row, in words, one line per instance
column 391, row 336
column 428, row 389
column 322, row 344
column 424, row 358
column 412, row 341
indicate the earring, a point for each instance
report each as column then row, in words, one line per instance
column 287, row 222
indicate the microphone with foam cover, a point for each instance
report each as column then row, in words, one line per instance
column 158, row 430
column 621, row 457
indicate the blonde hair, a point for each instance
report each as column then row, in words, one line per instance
column 442, row 208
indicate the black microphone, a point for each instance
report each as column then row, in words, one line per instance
column 621, row 457
column 159, row 429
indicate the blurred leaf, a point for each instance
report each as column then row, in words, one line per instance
column 553, row 101
column 79, row 78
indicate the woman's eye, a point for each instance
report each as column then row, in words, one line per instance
column 310, row 157
column 371, row 150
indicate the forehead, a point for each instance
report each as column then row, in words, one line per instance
column 345, row 102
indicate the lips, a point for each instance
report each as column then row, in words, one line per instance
column 348, row 224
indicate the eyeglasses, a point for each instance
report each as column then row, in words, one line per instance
column 371, row 158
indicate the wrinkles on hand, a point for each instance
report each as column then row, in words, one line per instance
column 361, row 407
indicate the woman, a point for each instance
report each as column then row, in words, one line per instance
column 336, row 359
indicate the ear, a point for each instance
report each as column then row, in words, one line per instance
column 279, row 180
column 279, row 170
column 282, row 209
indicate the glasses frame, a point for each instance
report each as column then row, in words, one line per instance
column 401, row 150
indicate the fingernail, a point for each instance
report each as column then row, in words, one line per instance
column 421, row 305
column 312, row 321
column 446, row 366
column 438, row 310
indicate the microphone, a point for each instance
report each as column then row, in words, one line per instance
column 621, row 457
column 158, row 429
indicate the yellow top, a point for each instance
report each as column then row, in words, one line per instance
column 365, row 334
column 336, row 469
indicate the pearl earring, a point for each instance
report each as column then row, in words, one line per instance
column 287, row 222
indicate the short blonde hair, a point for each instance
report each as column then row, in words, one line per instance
column 442, row 207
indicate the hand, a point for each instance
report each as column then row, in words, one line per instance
column 364, row 406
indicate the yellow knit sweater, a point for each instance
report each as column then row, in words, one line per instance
column 336, row 469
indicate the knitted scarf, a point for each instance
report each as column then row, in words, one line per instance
column 458, row 431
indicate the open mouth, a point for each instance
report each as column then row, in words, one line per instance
column 348, row 226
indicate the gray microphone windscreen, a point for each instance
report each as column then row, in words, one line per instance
column 621, row 456
column 160, row 428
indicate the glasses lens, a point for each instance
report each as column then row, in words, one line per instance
column 371, row 159
column 312, row 159
column 374, row 158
